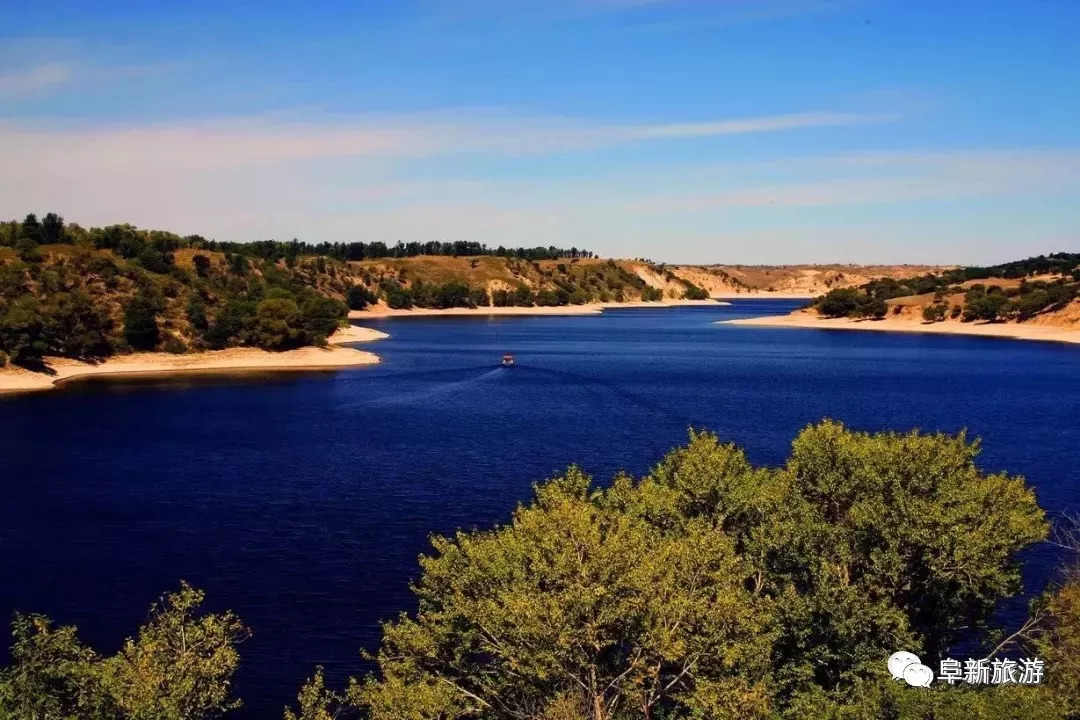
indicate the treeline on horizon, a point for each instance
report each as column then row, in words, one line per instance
column 981, row 301
column 707, row 589
column 53, row 231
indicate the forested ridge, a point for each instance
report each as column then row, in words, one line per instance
column 88, row 293
column 1018, row 290
column 707, row 589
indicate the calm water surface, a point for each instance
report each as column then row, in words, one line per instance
column 302, row 503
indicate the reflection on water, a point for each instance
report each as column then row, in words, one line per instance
column 119, row 382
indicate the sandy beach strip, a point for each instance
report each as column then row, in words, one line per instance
column 381, row 311
column 1014, row 331
column 15, row 379
column 355, row 334
column 765, row 295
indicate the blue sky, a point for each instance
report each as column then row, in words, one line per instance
column 737, row 131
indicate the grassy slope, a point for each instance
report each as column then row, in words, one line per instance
column 497, row 273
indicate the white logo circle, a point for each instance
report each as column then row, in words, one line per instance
column 900, row 660
column 918, row 675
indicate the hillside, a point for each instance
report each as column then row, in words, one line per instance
column 790, row 280
column 88, row 294
column 1038, row 291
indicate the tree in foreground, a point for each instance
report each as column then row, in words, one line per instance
column 714, row 589
column 179, row 667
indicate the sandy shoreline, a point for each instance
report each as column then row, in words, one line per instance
column 764, row 295
column 16, row 380
column 381, row 311
column 1000, row 330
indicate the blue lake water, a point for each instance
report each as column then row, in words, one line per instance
column 302, row 502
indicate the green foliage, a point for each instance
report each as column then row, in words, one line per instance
column 52, row 229
column 711, row 588
column 140, row 323
column 707, row 589
column 849, row 302
column 316, row 701
column 276, row 324
column 841, row 302
column 693, row 292
column 178, row 668
column 1059, row 643
column 398, row 297
column 70, row 301
column 275, row 250
column 22, row 329
column 179, row 665
column 651, row 294
column 76, row 327
column 52, row 675
column 202, row 265
column 578, row 601
column 30, row 230
column 885, row 699
column 980, row 302
column 196, row 312
column 359, row 297
column 935, row 312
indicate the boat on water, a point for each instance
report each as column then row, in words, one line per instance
column 508, row 360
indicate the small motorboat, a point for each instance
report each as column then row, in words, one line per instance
column 508, row 360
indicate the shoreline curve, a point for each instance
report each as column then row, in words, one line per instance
column 381, row 311
column 1007, row 331
column 16, row 380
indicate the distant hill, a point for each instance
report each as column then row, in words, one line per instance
column 89, row 293
column 1043, row 290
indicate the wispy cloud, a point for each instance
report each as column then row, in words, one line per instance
column 490, row 177
column 256, row 142
column 35, row 79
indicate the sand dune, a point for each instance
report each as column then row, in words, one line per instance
column 13, row 379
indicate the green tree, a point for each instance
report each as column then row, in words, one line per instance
column 52, row 675
column 52, row 229
column 30, row 230
column 277, row 324
column 140, row 323
column 22, row 330
column 693, row 292
column 180, row 665
column 196, row 312
column 359, row 297
column 77, row 327
column 577, row 604
column 651, row 294
column 935, row 312
column 1058, row 643
column 202, row 265
column 523, row 297
column 711, row 588
column 841, row 302
column 316, row 701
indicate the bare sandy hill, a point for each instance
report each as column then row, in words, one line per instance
column 791, row 280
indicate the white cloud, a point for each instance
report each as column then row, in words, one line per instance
column 211, row 146
column 394, row 178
